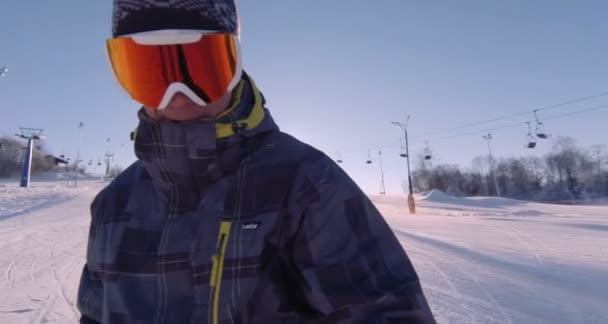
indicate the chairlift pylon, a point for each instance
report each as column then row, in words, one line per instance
column 540, row 128
column 531, row 140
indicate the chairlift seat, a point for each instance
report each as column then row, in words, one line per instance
column 427, row 157
column 531, row 145
column 540, row 130
column 403, row 155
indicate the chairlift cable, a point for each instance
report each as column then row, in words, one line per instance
column 578, row 112
column 393, row 145
column 416, row 137
column 561, row 104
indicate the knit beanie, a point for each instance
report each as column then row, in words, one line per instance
column 134, row 16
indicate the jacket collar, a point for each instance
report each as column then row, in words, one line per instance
column 184, row 158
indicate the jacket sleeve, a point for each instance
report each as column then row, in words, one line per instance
column 350, row 266
column 90, row 291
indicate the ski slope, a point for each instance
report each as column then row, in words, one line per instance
column 480, row 260
column 492, row 260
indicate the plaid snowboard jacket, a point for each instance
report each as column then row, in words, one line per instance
column 252, row 226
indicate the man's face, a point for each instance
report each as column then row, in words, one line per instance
column 181, row 109
column 178, row 75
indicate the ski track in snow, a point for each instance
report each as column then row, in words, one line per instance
column 524, row 263
column 43, row 232
column 482, row 260
column 492, row 311
column 517, row 236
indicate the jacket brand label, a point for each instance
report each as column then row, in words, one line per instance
column 250, row 225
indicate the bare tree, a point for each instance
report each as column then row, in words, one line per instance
column 12, row 155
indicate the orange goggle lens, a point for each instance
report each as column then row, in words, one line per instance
column 207, row 66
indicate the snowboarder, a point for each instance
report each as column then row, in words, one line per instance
column 224, row 218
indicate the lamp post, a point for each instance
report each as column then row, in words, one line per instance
column 80, row 125
column 410, row 198
column 382, row 186
column 109, row 157
column 488, row 139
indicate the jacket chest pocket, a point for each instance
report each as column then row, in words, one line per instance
column 227, row 265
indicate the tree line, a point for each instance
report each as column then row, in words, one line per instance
column 568, row 172
column 12, row 154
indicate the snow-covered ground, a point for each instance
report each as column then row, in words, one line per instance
column 491, row 260
column 480, row 260
column 43, row 233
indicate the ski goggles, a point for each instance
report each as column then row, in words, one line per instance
column 152, row 67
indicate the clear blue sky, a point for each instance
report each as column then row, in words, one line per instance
column 335, row 74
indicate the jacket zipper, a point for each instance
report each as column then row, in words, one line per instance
column 215, row 280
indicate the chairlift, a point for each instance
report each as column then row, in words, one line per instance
column 90, row 162
column 427, row 152
column 339, row 159
column 369, row 158
column 530, row 145
column 403, row 150
column 531, row 140
column 540, row 128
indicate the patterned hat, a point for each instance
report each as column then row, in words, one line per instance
column 134, row 16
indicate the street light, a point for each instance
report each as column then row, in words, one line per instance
column 410, row 198
column 488, row 138
column 382, row 186
column 80, row 125
column 109, row 157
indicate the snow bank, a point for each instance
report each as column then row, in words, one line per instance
column 436, row 196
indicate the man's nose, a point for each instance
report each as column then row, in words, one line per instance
column 179, row 100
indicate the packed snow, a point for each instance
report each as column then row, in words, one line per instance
column 480, row 260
